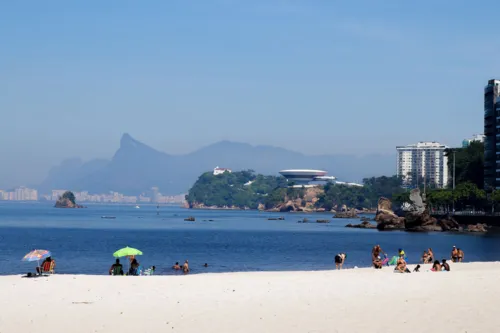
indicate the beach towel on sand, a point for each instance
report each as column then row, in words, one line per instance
column 394, row 260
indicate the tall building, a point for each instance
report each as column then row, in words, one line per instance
column 475, row 138
column 492, row 134
column 424, row 161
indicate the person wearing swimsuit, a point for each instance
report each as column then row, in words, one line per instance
column 454, row 254
column 339, row 260
column 430, row 257
column 436, row 267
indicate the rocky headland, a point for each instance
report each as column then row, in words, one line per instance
column 416, row 218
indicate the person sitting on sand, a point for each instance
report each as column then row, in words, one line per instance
column 339, row 260
column 436, row 267
column 176, row 266
column 454, row 254
column 134, row 267
column 401, row 265
column 185, row 267
column 460, row 255
column 445, row 266
column 377, row 263
column 116, row 268
column 376, row 252
column 45, row 266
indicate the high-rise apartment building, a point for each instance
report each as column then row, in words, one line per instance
column 492, row 135
column 475, row 138
column 423, row 162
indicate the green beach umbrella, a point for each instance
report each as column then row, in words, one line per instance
column 127, row 251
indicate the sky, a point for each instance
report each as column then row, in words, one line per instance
column 319, row 77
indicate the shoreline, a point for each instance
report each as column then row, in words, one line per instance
column 294, row 301
column 360, row 269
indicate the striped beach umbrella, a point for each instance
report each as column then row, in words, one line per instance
column 36, row 255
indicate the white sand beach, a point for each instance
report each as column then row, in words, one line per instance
column 354, row 300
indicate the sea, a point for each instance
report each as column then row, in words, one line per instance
column 82, row 242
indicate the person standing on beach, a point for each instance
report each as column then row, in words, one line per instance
column 339, row 260
column 454, row 254
column 185, row 267
column 460, row 255
column 430, row 254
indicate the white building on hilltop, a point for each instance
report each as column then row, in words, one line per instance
column 424, row 161
column 219, row 171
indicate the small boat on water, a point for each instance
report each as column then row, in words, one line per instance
column 137, row 207
column 108, row 217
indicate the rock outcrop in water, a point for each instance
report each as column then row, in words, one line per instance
column 386, row 218
column 480, row 227
column 67, row 200
column 362, row 225
column 448, row 223
column 417, row 216
column 347, row 214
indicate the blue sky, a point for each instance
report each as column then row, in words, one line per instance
column 313, row 76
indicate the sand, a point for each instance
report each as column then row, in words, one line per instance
column 354, row 300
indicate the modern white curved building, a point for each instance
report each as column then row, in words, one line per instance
column 305, row 176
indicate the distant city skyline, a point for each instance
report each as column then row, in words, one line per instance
column 320, row 77
column 23, row 193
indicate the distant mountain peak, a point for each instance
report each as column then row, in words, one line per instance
column 128, row 141
column 136, row 167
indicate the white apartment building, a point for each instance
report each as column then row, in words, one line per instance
column 423, row 161
column 475, row 138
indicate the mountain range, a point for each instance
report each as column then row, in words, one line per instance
column 136, row 167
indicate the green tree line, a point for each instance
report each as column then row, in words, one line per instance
column 246, row 189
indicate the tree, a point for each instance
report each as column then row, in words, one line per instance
column 243, row 189
column 468, row 194
column 469, row 164
column 440, row 198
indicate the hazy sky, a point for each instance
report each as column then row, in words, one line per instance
column 314, row 76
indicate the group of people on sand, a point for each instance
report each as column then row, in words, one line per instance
column 134, row 268
column 457, row 255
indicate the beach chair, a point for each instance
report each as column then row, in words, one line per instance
column 48, row 267
column 149, row 271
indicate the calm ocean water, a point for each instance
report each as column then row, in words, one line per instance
column 82, row 242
